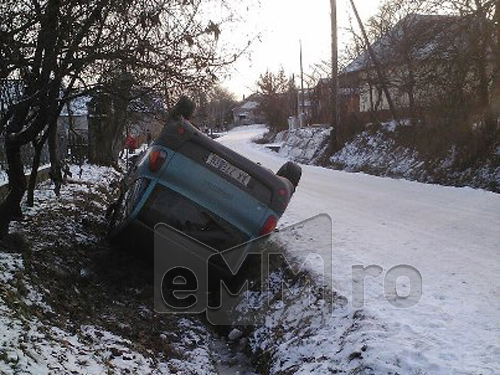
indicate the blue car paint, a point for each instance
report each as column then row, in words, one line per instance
column 208, row 190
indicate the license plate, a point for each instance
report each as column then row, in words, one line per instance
column 227, row 168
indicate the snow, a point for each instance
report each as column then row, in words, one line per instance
column 378, row 151
column 77, row 107
column 304, row 145
column 9, row 264
column 392, row 125
column 35, row 339
column 250, row 105
column 3, row 177
column 450, row 235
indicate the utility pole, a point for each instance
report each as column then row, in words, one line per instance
column 381, row 76
column 334, row 81
column 302, row 79
column 294, row 98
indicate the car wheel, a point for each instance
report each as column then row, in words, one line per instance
column 292, row 172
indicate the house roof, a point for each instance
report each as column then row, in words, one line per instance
column 249, row 104
column 77, row 106
column 146, row 105
column 416, row 34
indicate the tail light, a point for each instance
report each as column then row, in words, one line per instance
column 269, row 225
column 156, row 160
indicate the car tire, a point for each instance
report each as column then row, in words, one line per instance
column 292, row 172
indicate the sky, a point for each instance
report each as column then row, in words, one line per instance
column 282, row 24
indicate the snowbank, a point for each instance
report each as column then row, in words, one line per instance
column 378, row 152
column 308, row 328
column 304, row 145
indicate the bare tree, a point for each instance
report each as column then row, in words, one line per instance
column 216, row 108
column 484, row 56
column 427, row 47
column 60, row 49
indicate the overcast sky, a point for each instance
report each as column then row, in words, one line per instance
column 282, row 24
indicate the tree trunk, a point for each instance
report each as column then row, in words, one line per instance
column 495, row 96
column 106, row 125
column 378, row 68
column 38, row 146
column 33, row 175
column 55, row 164
column 102, row 145
column 410, row 85
column 10, row 209
column 481, row 60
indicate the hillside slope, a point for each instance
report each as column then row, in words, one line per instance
column 379, row 150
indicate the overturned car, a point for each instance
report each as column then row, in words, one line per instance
column 202, row 189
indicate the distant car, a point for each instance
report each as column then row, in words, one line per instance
column 200, row 188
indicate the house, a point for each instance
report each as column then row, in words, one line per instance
column 348, row 101
column 143, row 117
column 306, row 102
column 248, row 112
column 146, row 114
column 73, row 128
column 420, row 58
column 73, row 114
column 74, row 119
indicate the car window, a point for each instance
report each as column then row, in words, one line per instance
column 168, row 207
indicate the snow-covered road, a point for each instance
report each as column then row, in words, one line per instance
column 450, row 235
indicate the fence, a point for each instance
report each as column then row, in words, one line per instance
column 77, row 148
column 73, row 148
column 27, row 154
